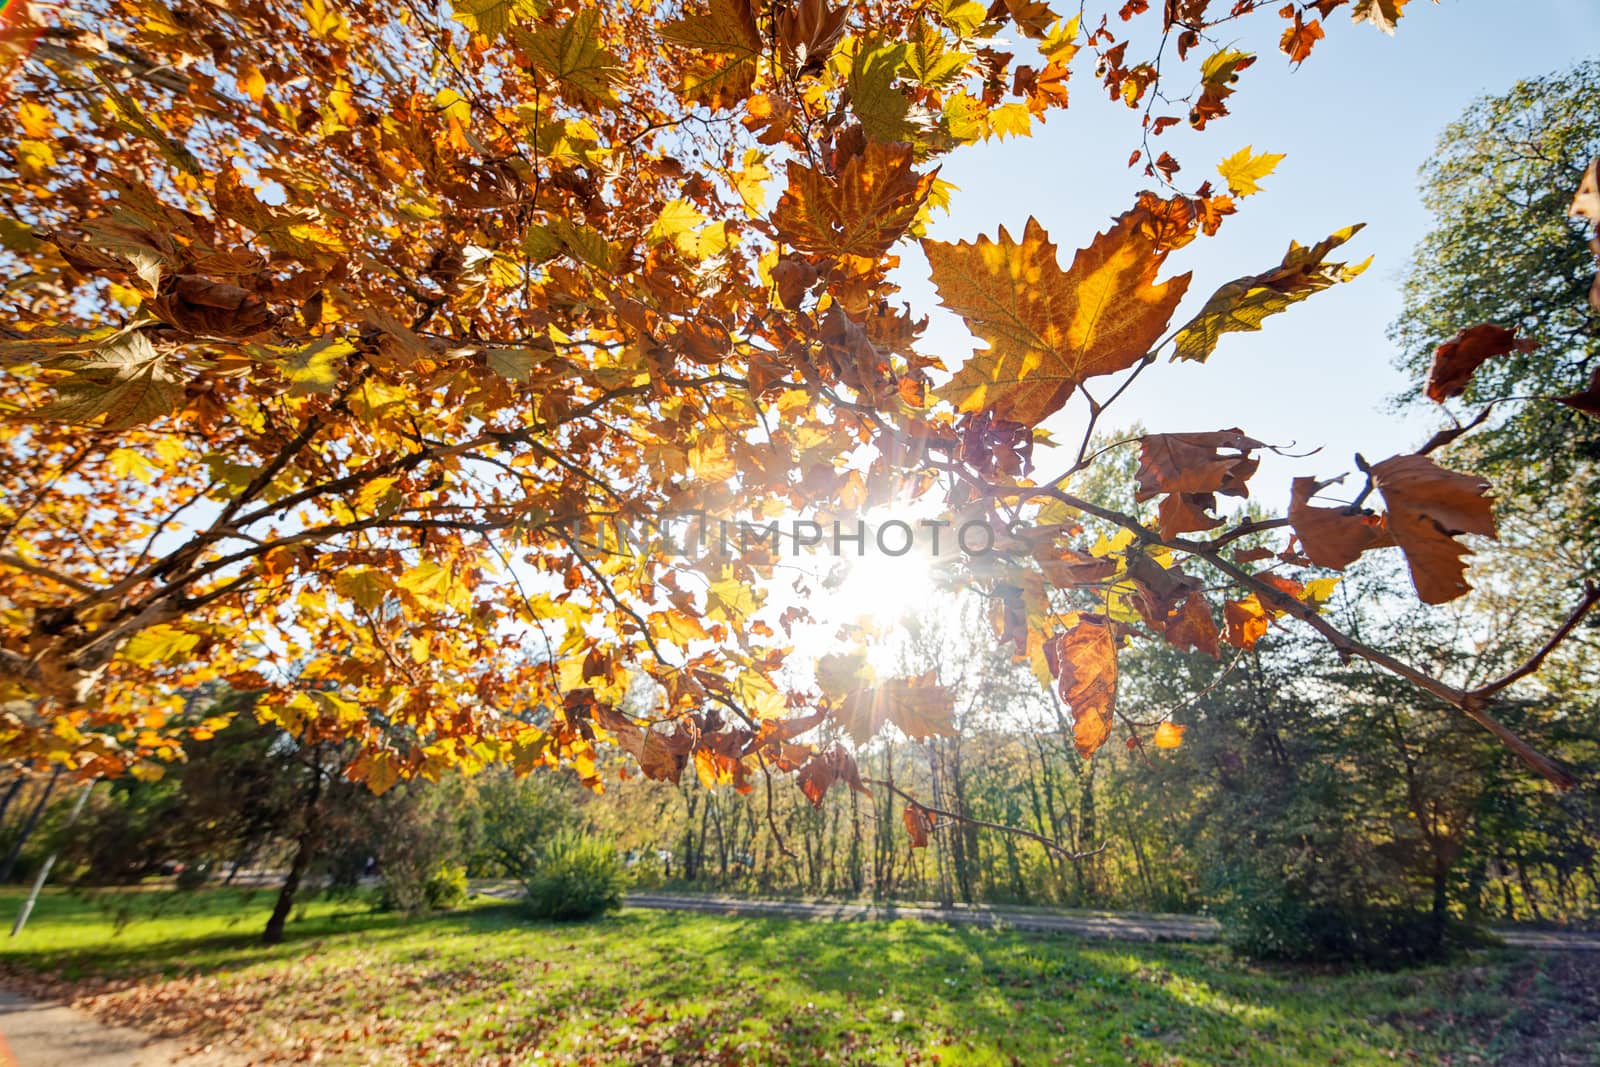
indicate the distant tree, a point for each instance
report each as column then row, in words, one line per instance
column 1502, row 250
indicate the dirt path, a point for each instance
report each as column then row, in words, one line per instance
column 41, row 1033
column 1127, row 926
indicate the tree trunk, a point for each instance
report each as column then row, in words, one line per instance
column 11, row 794
column 304, row 848
column 10, row 864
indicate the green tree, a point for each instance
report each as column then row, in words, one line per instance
column 1503, row 250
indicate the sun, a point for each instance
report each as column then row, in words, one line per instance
column 880, row 588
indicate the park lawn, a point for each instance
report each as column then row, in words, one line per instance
column 483, row 985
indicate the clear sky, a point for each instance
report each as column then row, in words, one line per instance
column 1355, row 122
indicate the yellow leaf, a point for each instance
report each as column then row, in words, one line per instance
column 454, row 106
column 324, row 21
column 1244, row 303
column 1318, row 591
column 677, row 223
column 254, row 83
column 35, row 119
column 1242, row 171
column 1169, row 735
column 126, row 463
column 1010, row 120
column 571, row 54
column 160, row 644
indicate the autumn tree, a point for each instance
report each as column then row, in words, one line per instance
column 350, row 341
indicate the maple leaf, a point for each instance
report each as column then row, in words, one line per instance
column 1246, row 621
column 572, row 55
column 1192, row 468
column 919, row 706
column 1332, row 537
column 863, row 212
column 1084, row 661
column 808, row 32
column 1244, row 303
column 1298, row 40
column 825, row 768
column 126, row 381
column 1169, row 735
column 877, row 102
column 731, row 42
column 1192, row 627
column 1455, row 361
column 492, row 18
column 1383, row 14
column 1243, row 171
column 1049, row 330
column 1428, row 507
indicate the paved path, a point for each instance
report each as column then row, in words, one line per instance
column 42, row 1033
column 1123, row 926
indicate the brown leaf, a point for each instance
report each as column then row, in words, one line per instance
column 1067, row 568
column 1587, row 401
column 919, row 706
column 1428, row 508
column 1192, row 468
column 1331, row 537
column 863, row 213
column 1084, row 661
column 216, row 309
column 1192, row 628
column 1195, row 463
column 808, row 31
column 794, row 277
column 1456, row 359
column 825, row 768
column 919, row 822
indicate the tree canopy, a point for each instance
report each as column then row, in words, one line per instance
column 1504, row 250
column 345, row 337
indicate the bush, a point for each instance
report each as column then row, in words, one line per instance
column 577, row 878
column 444, row 887
column 1276, row 925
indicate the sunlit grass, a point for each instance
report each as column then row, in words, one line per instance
column 484, row 985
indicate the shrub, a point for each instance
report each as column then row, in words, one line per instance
column 577, row 878
column 1274, row 924
column 445, row 886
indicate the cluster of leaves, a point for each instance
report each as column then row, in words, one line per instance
column 339, row 329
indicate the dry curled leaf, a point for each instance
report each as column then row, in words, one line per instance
column 1428, row 508
column 1455, row 361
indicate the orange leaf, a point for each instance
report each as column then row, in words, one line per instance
column 1247, row 621
column 1049, row 330
column 919, row 821
column 1428, row 508
column 1169, row 735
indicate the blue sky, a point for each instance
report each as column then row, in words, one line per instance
column 1356, row 120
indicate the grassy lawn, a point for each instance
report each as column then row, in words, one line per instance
column 484, row 986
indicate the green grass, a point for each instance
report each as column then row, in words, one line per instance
column 484, row 985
